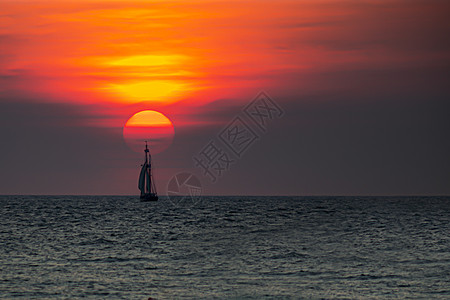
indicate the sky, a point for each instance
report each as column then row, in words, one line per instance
column 323, row 97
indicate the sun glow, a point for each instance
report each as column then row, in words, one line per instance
column 148, row 60
column 117, row 58
column 160, row 75
column 151, row 90
column 151, row 54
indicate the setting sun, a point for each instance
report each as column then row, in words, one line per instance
column 151, row 126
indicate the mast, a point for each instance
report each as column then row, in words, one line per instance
column 147, row 152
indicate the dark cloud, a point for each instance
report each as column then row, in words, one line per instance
column 321, row 146
column 405, row 28
column 45, row 150
column 372, row 143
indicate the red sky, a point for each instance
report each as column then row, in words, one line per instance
column 88, row 66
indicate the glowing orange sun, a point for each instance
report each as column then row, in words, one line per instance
column 151, row 126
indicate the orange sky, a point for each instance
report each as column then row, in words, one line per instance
column 148, row 54
column 128, row 53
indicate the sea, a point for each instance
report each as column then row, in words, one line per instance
column 116, row 247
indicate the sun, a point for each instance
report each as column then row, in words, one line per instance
column 151, row 126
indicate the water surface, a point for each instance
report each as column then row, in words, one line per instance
column 225, row 247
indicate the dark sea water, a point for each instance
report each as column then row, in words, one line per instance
column 70, row 247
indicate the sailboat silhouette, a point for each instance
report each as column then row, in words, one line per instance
column 146, row 183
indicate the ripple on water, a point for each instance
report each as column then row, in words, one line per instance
column 225, row 247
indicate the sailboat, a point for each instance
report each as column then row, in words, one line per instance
column 146, row 184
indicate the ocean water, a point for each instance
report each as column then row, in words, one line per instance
column 115, row 247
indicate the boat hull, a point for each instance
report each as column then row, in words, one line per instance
column 149, row 197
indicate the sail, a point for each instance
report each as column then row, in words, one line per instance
column 148, row 180
column 141, row 184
